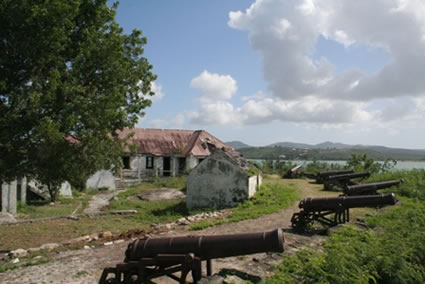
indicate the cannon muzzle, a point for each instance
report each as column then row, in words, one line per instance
column 207, row 247
column 370, row 188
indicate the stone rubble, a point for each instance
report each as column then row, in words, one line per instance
column 192, row 219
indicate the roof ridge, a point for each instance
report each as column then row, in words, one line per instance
column 191, row 143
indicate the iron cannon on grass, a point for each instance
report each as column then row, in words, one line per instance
column 320, row 209
column 321, row 177
column 150, row 258
column 293, row 172
column 343, row 180
column 370, row 188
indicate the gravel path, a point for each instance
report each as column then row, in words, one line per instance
column 101, row 200
column 86, row 265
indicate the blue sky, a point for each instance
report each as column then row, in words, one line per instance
column 267, row 71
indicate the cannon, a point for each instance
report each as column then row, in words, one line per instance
column 321, row 177
column 294, row 172
column 370, row 188
column 318, row 209
column 149, row 258
column 343, row 180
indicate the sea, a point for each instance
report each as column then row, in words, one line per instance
column 401, row 165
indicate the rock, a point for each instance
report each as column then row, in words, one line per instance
column 51, row 203
column 106, row 234
column 80, row 239
column 33, row 250
column 169, row 226
column 108, row 244
column 73, row 218
column 233, row 279
column 118, row 241
column 37, row 257
column 50, row 246
column 87, row 247
column 6, row 218
column 18, row 253
column 15, row 260
column 213, row 279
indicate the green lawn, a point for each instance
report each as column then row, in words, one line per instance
column 273, row 196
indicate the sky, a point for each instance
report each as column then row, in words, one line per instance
column 269, row 71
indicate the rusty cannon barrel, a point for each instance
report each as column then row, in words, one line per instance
column 208, row 246
column 323, row 176
column 319, row 209
column 370, row 188
column 346, row 202
column 149, row 258
column 348, row 176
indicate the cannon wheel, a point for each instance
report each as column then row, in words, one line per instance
column 300, row 220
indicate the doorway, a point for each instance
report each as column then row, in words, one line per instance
column 167, row 166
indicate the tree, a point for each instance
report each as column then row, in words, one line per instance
column 70, row 78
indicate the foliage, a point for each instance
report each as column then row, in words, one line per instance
column 69, row 79
column 363, row 163
column 315, row 166
column 270, row 198
column 391, row 251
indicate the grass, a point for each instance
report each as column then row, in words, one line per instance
column 5, row 266
column 391, row 250
column 62, row 207
column 272, row 197
column 36, row 234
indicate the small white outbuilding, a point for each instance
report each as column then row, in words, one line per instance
column 220, row 181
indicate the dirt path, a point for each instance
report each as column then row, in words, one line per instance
column 98, row 201
column 86, row 265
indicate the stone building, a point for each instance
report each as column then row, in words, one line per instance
column 167, row 152
column 221, row 181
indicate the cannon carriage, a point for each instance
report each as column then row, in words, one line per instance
column 150, row 258
column 321, row 209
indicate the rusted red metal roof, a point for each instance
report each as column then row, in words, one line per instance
column 164, row 142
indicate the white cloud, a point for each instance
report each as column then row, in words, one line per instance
column 286, row 33
column 214, row 86
column 173, row 123
column 157, row 89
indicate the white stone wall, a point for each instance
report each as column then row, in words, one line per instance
column 8, row 197
column 252, row 185
column 191, row 162
column 101, row 179
column 217, row 182
column 158, row 165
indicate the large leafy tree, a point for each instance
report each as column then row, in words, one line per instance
column 70, row 78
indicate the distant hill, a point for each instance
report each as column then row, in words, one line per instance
column 328, row 151
column 237, row 144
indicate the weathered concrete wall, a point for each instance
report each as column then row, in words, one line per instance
column 191, row 162
column 64, row 191
column 158, row 165
column 252, row 185
column 8, row 197
column 101, row 179
column 217, row 182
column 24, row 190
